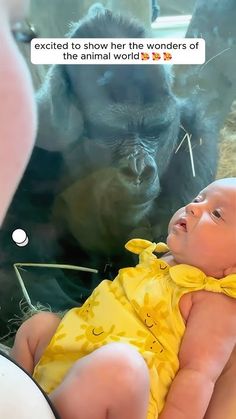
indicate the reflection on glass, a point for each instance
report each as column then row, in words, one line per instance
column 108, row 164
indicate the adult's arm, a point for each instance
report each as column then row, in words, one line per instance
column 20, row 396
column 223, row 401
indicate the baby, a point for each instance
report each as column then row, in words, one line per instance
column 152, row 343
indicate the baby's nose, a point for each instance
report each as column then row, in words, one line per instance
column 194, row 208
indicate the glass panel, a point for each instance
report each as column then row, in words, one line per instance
column 109, row 163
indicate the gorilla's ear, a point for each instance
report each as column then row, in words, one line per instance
column 60, row 121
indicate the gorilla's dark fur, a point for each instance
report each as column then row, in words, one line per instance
column 111, row 173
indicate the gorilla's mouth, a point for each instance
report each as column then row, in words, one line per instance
column 141, row 190
column 108, row 187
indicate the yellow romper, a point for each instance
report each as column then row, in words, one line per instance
column 140, row 307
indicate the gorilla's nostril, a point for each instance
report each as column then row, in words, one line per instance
column 148, row 172
column 136, row 164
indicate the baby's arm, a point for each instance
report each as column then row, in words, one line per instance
column 32, row 338
column 206, row 347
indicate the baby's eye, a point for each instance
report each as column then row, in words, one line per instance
column 216, row 214
column 197, row 199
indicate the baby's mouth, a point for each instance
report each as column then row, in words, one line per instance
column 182, row 224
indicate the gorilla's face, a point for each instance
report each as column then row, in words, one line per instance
column 130, row 128
column 131, row 125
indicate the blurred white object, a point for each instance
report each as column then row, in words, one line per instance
column 171, row 26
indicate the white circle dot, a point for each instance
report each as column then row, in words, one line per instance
column 19, row 235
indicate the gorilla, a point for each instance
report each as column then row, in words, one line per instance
column 106, row 168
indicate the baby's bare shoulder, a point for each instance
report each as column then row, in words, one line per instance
column 201, row 297
column 213, row 301
column 208, row 300
column 210, row 307
column 210, row 334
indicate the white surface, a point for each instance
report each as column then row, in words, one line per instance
column 20, row 398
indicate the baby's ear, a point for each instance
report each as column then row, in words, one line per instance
column 230, row 271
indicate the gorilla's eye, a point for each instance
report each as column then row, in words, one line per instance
column 153, row 131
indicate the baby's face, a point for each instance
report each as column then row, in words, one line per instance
column 203, row 233
column 17, row 107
